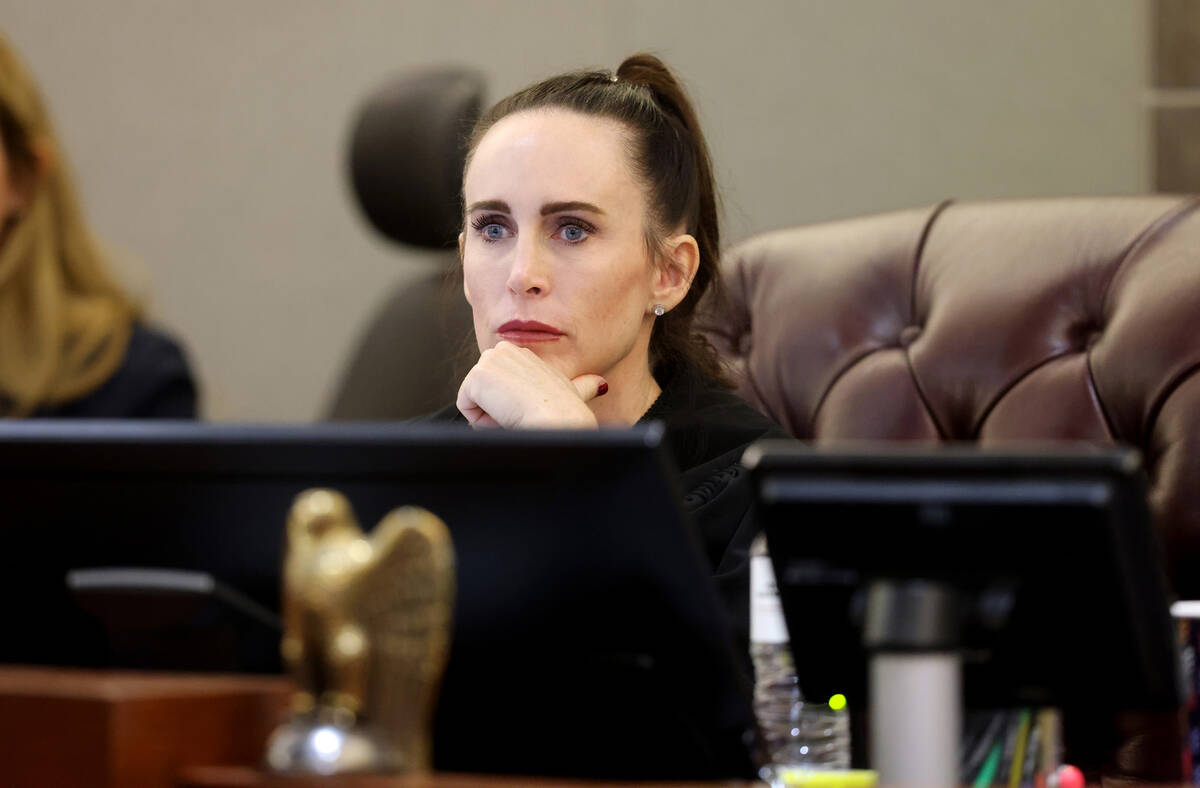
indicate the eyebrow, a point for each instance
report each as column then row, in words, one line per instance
column 573, row 205
column 489, row 205
column 547, row 209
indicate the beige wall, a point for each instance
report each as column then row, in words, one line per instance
column 208, row 135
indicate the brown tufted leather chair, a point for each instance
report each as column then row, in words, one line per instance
column 1073, row 319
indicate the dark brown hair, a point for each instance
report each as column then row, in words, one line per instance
column 670, row 157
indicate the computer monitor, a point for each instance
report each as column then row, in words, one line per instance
column 1063, row 599
column 588, row 638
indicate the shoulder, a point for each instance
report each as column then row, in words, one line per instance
column 729, row 421
column 708, row 429
column 706, row 424
column 152, row 350
column 154, row 380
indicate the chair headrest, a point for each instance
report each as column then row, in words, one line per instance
column 407, row 151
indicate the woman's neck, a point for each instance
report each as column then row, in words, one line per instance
column 632, row 389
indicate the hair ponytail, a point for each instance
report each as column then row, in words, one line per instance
column 670, row 157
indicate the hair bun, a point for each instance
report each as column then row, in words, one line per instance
column 648, row 71
column 643, row 67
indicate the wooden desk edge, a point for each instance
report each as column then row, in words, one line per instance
column 113, row 685
column 242, row 777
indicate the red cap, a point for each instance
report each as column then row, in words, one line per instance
column 1070, row 777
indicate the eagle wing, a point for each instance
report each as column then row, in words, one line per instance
column 402, row 599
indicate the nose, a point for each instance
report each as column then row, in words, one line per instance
column 530, row 272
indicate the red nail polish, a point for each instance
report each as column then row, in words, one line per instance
column 602, row 389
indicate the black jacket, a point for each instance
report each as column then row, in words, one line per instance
column 708, row 430
column 153, row 382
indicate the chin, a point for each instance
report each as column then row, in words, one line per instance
column 565, row 364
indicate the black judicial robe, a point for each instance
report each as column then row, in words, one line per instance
column 707, row 429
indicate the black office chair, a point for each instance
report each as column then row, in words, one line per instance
column 405, row 163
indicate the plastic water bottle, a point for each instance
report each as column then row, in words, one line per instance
column 796, row 735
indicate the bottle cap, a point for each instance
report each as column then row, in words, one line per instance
column 1070, row 777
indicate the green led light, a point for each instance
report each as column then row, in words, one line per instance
column 837, row 702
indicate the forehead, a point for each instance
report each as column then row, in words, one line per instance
column 551, row 155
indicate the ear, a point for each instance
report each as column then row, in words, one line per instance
column 26, row 179
column 676, row 270
column 43, row 156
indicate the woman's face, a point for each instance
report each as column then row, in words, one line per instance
column 554, row 250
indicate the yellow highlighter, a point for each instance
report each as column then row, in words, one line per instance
column 829, row 778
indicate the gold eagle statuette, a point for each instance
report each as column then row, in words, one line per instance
column 366, row 635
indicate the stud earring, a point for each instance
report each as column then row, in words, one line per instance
column 659, row 310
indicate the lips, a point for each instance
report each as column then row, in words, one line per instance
column 527, row 331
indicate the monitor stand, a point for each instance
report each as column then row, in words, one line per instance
column 912, row 634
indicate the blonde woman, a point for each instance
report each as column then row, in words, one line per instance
column 71, row 342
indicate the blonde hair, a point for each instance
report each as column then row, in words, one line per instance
column 64, row 322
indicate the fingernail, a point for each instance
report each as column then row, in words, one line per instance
column 602, row 390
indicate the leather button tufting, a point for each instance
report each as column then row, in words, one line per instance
column 909, row 334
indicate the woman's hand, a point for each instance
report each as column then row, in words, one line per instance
column 510, row 386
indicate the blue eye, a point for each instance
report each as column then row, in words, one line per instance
column 491, row 227
column 573, row 233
